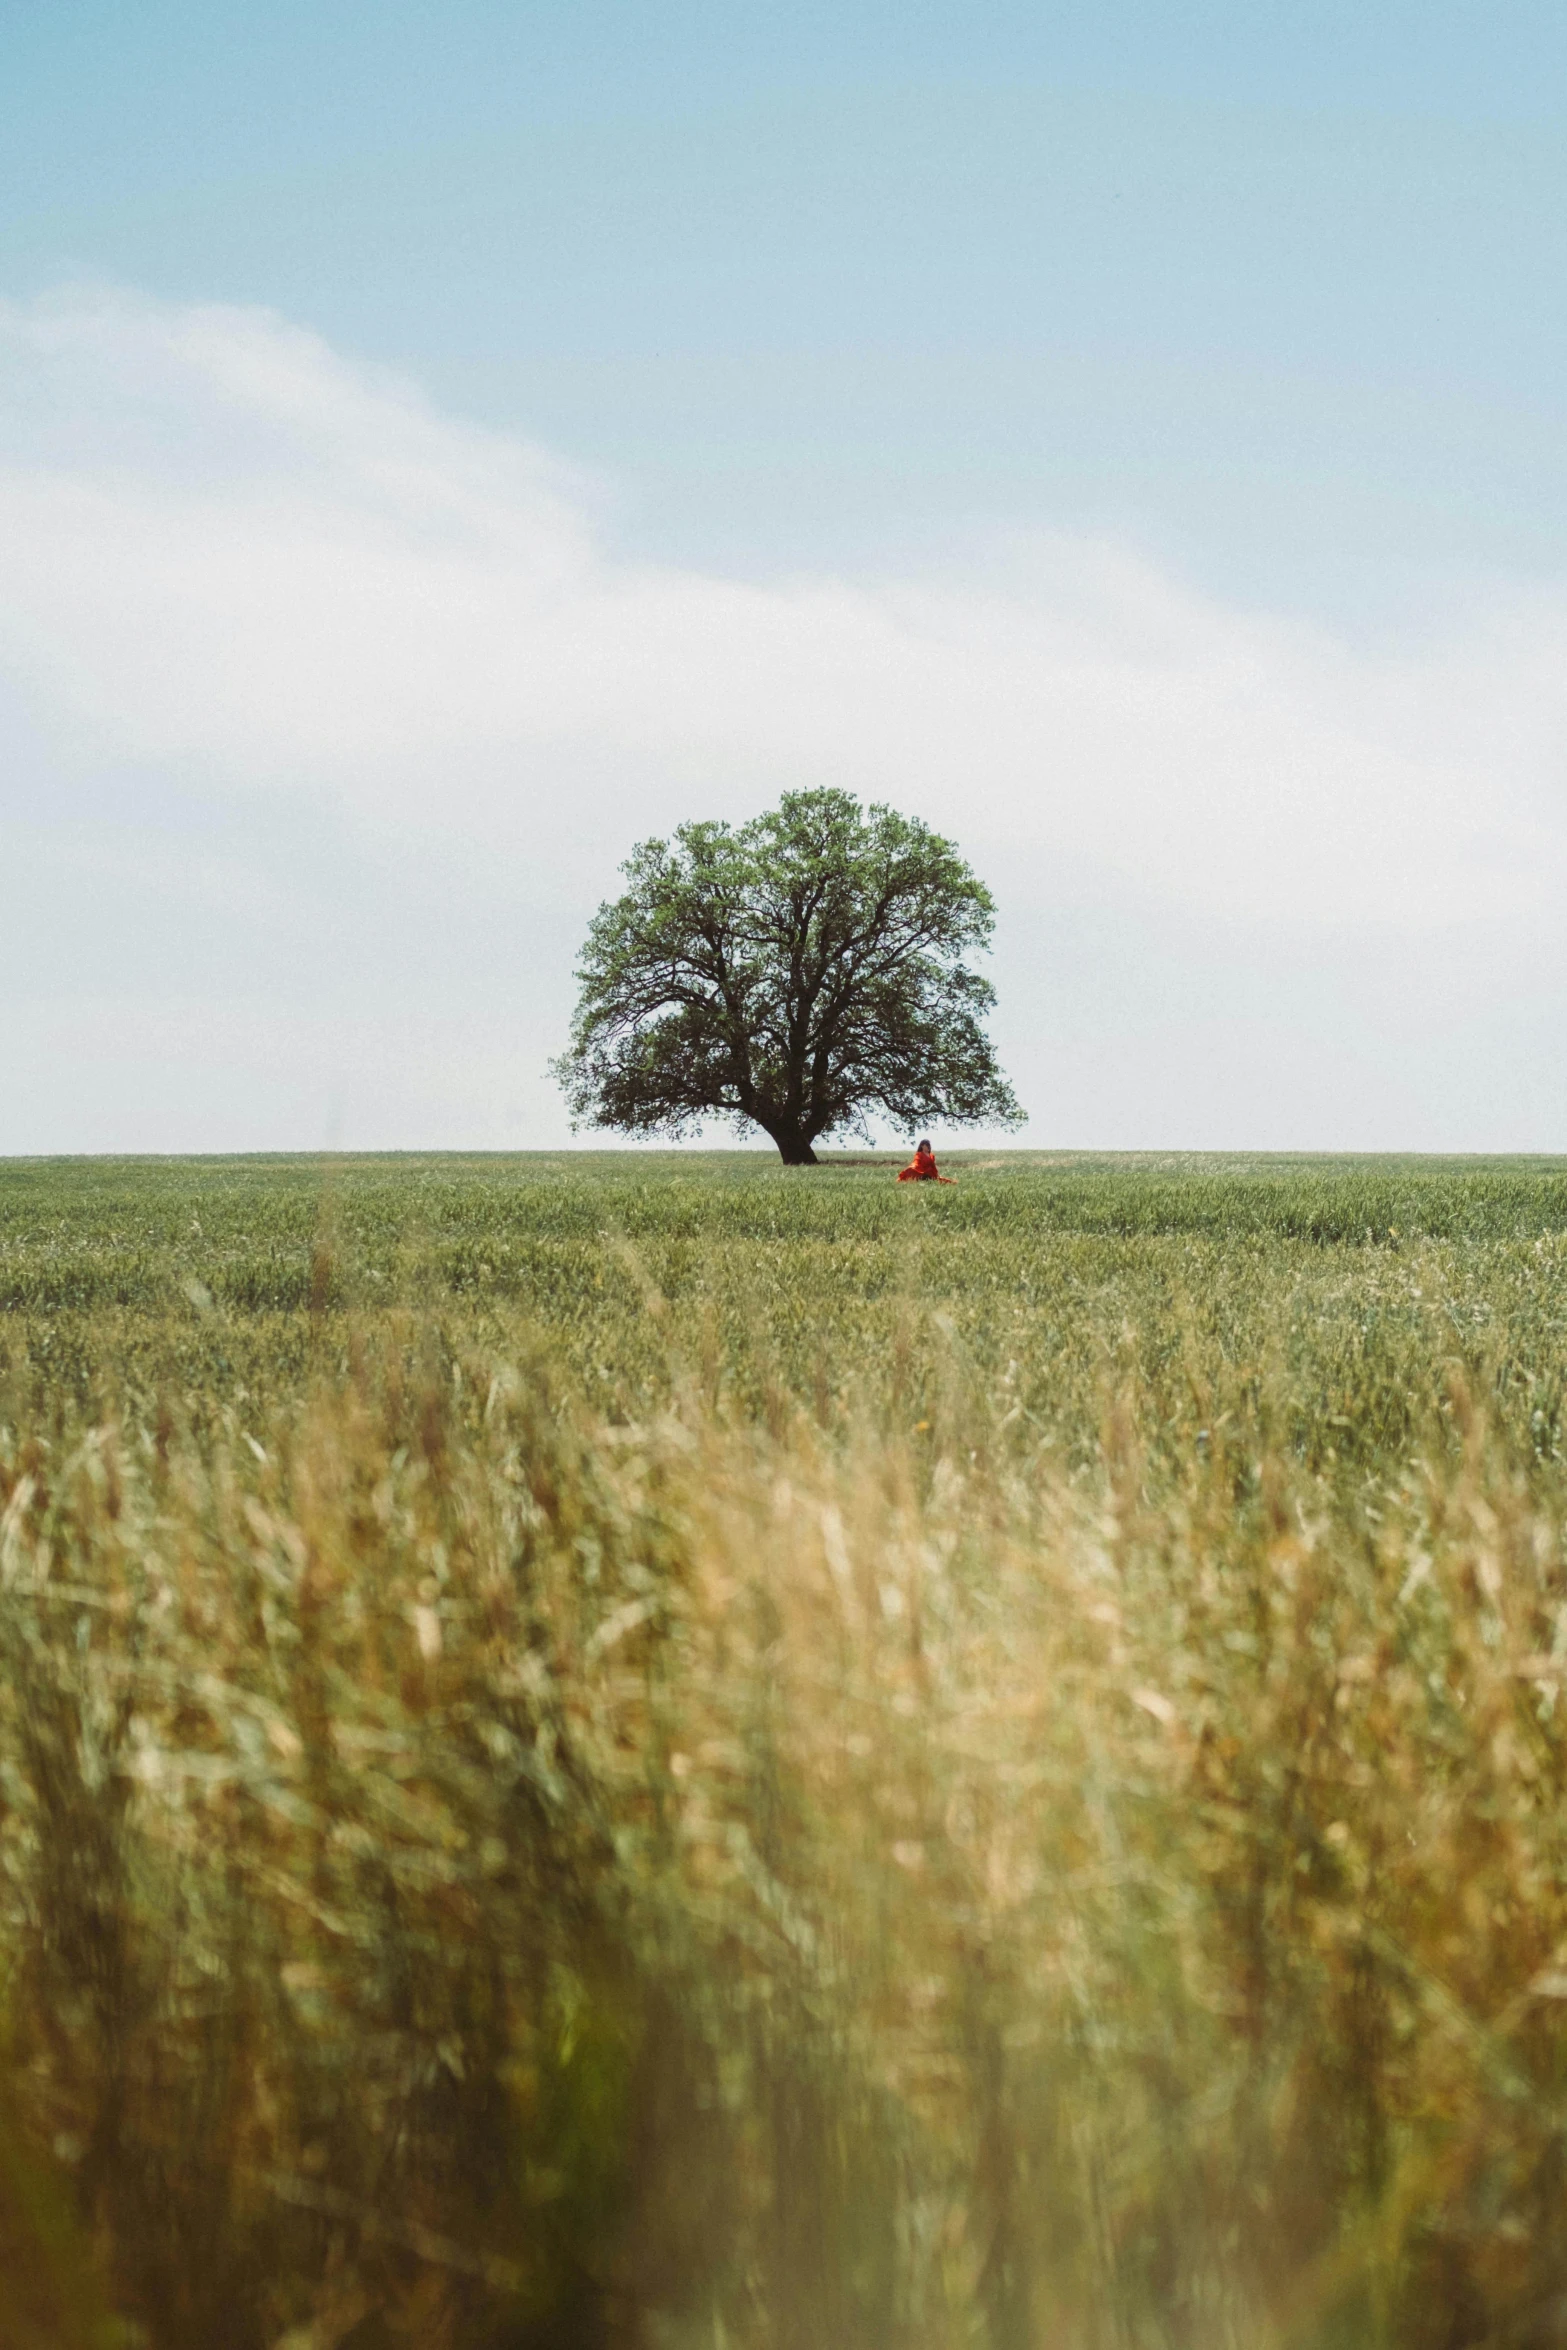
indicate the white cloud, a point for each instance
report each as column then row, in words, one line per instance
column 325, row 719
column 231, row 558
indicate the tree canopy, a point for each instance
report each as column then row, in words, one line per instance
column 803, row 973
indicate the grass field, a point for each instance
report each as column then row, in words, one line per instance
column 653, row 1750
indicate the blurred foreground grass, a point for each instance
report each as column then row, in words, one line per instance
column 658, row 1751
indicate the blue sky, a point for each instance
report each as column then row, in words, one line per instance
column 1275, row 289
column 1175, row 396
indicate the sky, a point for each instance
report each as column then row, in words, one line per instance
column 439, row 448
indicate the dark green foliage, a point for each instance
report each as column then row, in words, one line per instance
column 801, row 973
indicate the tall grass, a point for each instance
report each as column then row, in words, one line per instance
column 797, row 1769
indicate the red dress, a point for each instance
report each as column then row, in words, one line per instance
column 922, row 1169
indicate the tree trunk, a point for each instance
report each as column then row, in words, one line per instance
column 794, row 1149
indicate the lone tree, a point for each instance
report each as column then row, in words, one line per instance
column 800, row 972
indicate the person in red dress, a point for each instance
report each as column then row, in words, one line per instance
column 922, row 1168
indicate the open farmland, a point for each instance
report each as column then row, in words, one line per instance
column 653, row 1749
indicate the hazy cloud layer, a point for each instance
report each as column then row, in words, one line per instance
column 255, row 600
